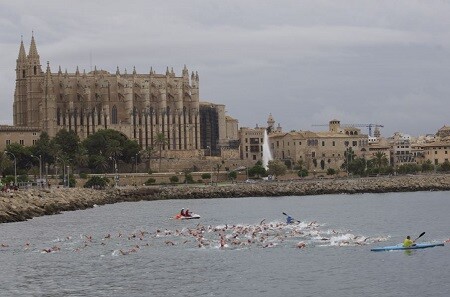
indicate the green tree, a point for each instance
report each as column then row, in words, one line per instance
column 357, row 166
column 380, row 160
column 97, row 182
column 206, row 176
column 427, row 166
column 66, row 143
column 232, row 175
column 277, row 168
column 302, row 172
column 257, row 170
column 445, row 167
column 174, row 179
column 331, row 171
column 44, row 147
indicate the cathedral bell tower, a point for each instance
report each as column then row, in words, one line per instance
column 35, row 77
column 20, row 93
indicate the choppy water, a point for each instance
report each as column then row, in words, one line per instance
column 134, row 249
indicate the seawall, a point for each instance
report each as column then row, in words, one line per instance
column 26, row 204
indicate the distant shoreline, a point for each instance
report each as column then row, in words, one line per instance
column 26, row 204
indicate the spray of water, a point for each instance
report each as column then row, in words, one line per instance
column 267, row 154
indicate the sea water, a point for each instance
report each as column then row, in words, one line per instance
column 133, row 249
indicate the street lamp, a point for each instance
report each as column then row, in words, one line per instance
column 15, row 167
column 40, row 166
column 135, row 167
column 115, row 170
column 64, row 171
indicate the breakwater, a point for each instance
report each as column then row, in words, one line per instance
column 25, row 204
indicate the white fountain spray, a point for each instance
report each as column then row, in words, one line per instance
column 267, row 154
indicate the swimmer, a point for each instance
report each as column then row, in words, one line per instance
column 301, row 245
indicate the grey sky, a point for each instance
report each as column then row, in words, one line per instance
column 306, row 62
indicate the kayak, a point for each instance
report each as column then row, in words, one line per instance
column 191, row 217
column 400, row 247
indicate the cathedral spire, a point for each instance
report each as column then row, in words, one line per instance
column 33, row 53
column 33, row 58
column 59, row 70
column 77, row 72
column 117, row 71
column 48, row 76
column 22, row 55
column 134, row 70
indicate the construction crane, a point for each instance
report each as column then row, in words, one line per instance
column 359, row 125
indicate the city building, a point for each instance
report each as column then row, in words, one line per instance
column 140, row 106
column 318, row 151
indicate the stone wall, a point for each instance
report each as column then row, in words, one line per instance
column 25, row 204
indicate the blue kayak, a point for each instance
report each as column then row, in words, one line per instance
column 400, row 247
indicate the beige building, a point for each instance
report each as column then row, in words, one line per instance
column 138, row 105
column 319, row 151
column 26, row 136
column 437, row 152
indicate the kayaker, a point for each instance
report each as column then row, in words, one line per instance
column 408, row 242
column 289, row 220
column 182, row 213
column 187, row 213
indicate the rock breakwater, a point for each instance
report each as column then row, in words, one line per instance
column 26, row 204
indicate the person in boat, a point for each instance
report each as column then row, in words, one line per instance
column 187, row 213
column 408, row 242
column 182, row 212
column 289, row 220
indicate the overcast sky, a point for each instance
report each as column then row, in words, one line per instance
column 306, row 62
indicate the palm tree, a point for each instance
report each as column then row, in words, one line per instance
column 160, row 141
column 148, row 153
column 380, row 160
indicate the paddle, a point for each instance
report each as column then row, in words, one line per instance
column 421, row 234
column 291, row 217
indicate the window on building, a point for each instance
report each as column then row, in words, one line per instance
column 114, row 115
column 21, row 141
column 23, row 73
column 446, row 152
column 246, row 148
column 334, row 143
column 278, row 143
column 436, row 162
column 35, row 70
column 254, row 157
column 34, row 141
column 8, row 142
column 354, row 143
column 323, row 143
column 435, row 152
column 246, row 156
column 313, row 154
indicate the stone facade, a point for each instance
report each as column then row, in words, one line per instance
column 138, row 105
column 318, row 151
column 26, row 136
column 437, row 152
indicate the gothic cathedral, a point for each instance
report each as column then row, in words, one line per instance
column 141, row 106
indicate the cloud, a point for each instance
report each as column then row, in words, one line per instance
column 305, row 62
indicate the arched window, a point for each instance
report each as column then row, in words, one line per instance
column 35, row 70
column 114, row 115
column 58, row 116
column 99, row 115
column 23, row 73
